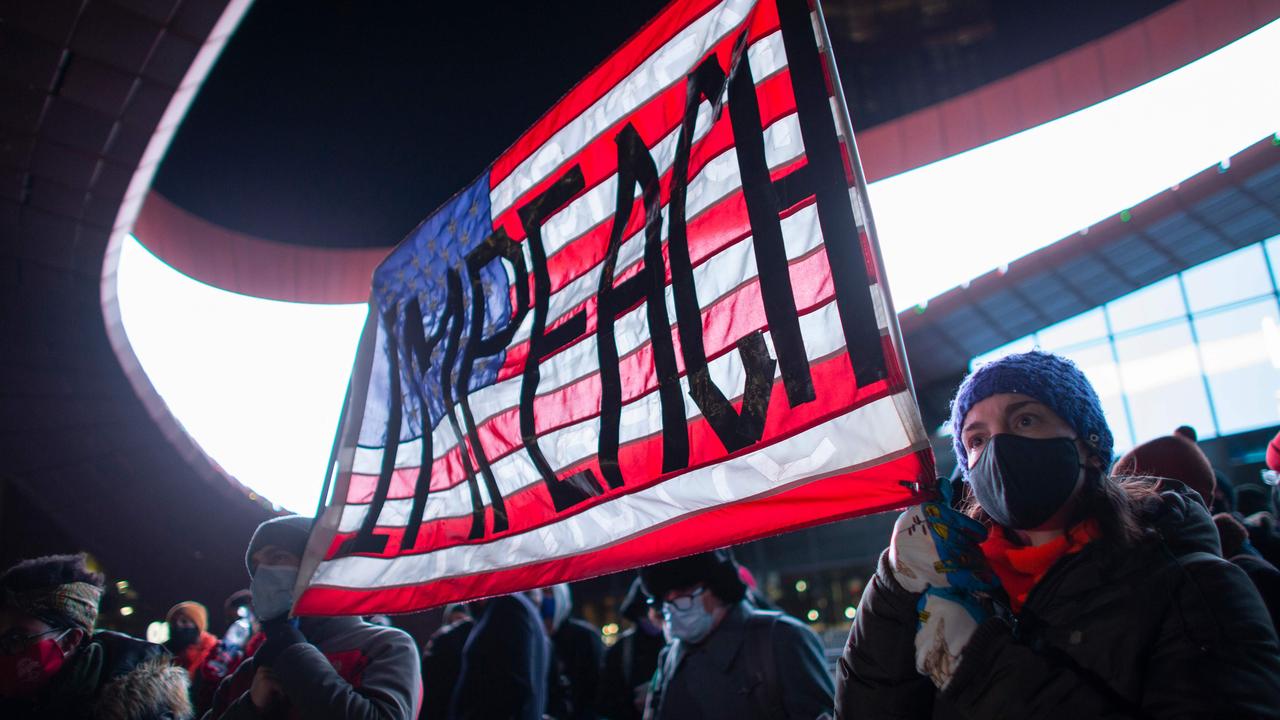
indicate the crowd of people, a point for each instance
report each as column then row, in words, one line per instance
column 1045, row 580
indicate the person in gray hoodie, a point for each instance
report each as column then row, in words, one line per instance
column 314, row 667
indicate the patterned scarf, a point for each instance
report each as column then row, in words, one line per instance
column 75, row 603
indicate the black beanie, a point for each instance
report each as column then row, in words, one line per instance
column 287, row 532
column 716, row 569
column 636, row 604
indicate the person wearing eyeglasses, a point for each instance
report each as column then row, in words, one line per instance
column 727, row 659
column 52, row 664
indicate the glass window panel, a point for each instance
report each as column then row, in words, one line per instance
column 1098, row 364
column 1150, row 305
column 1020, row 345
column 1234, row 277
column 1082, row 328
column 1273, row 254
column 1240, row 349
column 1161, row 374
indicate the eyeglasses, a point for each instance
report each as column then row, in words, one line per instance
column 685, row 601
column 14, row 641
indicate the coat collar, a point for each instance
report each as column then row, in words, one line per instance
column 724, row 643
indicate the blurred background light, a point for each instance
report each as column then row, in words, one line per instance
column 258, row 384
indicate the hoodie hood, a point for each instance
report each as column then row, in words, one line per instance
column 1180, row 518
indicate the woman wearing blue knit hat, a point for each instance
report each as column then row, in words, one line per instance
column 1052, row 589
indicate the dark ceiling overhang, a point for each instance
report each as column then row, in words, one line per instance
column 1143, row 51
column 92, row 93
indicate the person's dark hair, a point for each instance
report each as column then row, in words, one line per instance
column 1116, row 504
column 636, row 603
column 47, row 572
column 1187, row 432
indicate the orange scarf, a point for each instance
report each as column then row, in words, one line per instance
column 194, row 655
column 1020, row 567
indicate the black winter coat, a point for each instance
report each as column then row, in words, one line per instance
column 628, row 668
column 504, row 664
column 1164, row 629
column 441, row 664
column 577, row 652
column 111, row 676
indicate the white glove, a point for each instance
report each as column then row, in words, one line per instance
column 948, row 618
column 936, row 546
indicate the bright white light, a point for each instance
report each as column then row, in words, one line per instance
column 158, row 632
column 258, row 384
column 955, row 219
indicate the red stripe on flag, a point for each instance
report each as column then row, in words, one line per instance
column 733, row 316
column 587, row 250
column 621, row 63
column 657, row 118
column 709, row 232
column 531, row 507
column 846, row 495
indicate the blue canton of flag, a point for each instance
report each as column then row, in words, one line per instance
column 418, row 270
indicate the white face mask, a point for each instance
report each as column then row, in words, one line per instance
column 272, row 588
column 692, row 624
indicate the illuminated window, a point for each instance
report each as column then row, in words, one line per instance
column 1237, row 276
column 1201, row 348
column 1152, row 304
column 1083, row 328
column 1242, row 365
column 1161, row 377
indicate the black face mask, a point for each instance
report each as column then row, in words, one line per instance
column 180, row 637
column 1021, row 482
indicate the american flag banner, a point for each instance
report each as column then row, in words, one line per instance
column 656, row 325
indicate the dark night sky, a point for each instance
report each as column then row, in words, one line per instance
column 345, row 122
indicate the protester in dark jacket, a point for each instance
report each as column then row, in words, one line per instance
column 504, row 663
column 1264, row 576
column 442, row 661
column 52, row 667
column 315, row 667
column 629, row 663
column 728, row 660
column 1067, row 594
column 576, row 655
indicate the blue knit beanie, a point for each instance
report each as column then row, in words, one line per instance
column 1051, row 379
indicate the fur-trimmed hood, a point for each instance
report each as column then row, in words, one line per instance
column 111, row 677
column 154, row 689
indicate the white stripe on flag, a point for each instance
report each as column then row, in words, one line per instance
column 669, row 63
column 854, row 439
column 714, row 279
column 568, row 446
